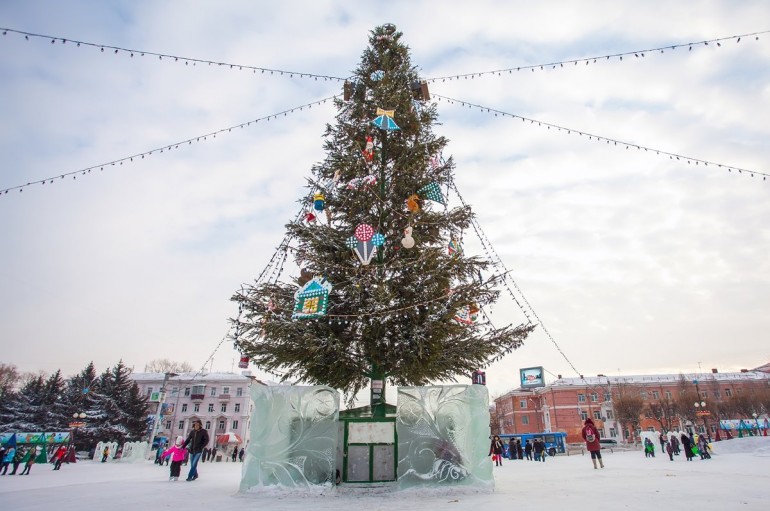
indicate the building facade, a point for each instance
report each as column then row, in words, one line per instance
column 622, row 406
column 221, row 401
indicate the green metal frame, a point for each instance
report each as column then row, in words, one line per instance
column 347, row 421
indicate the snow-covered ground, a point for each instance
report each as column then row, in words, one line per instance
column 737, row 477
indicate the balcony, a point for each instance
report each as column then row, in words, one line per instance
column 224, row 397
column 197, row 397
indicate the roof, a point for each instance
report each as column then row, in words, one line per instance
column 188, row 377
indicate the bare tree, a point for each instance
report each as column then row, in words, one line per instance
column 664, row 411
column 9, row 379
column 628, row 406
column 164, row 365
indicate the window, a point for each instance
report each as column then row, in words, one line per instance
column 223, row 408
column 225, row 390
column 208, row 425
column 213, row 391
column 239, row 392
column 235, row 425
column 610, row 415
column 728, row 393
column 581, row 398
column 717, row 394
column 597, row 415
column 237, row 407
column 181, row 425
column 643, row 394
column 522, row 403
column 187, row 391
column 655, row 394
column 607, row 396
column 149, row 391
column 668, row 394
column 613, row 433
column 525, row 420
column 211, row 407
column 583, row 415
column 168, row 424
column 221, row 426
column 198, row 389
column 197, row 407
column 594, row 397
column 184, row 407
column 704, row 394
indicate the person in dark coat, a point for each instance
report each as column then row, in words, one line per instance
column 496, row 450
column 538, row 447
column 591, row 435
column 519, row 450
column 512, row 449
column 196, row 441
column 240, row 454
column 675, row 444
column 687, row 447
column 528, row 450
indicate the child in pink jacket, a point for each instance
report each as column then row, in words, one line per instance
column 177, row 453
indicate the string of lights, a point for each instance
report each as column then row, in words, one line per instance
column 610, row 141
column 115, row 50
column 593, row 60
column 482, row 237
column 175, row 145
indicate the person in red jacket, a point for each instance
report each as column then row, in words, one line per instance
column 591, row 436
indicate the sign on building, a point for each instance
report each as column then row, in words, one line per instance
column 531, row 377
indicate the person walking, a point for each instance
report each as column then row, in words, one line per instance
column 240, row 454
column 512, row 449
column 16, row 461
column 196, row 441
column 528, row 450
column 663, row 441
column 105, row 453
column 30, row 461
column 59, row 457
column 519, row 449
column 675, row 444
column 687, row 447
column 177, row 454
column 496, row 450
column 591, row 437
column 703, row 447
column 670, row 451
column 7, row 459
column 234, row 456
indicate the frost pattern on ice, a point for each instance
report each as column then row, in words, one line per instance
column 293, row 437
column 443, row 436
column 134, row 452
column 98, row 452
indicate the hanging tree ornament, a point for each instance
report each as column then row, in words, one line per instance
column 455, row 248
column 361, row 182
column 407, row 241
column 243, row 363
column 467, row 315
column 311, row 300
column 310, row 217
column 385, row 121
column 369, row 150
column 413, row 203
column 365, row 242
column 318, row 201
column 431, row 191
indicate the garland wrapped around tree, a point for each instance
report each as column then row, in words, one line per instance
column 392, row 296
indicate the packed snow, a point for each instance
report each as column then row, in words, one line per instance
column 736, row 477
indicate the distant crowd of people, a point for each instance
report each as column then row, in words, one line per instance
column 532, row 451
column 13, row 456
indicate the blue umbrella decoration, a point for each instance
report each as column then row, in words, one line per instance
column 365, row 242
column 385, row 121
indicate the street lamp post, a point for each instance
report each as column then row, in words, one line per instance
column 156, row 422
column 77, row 422
column 700, row 410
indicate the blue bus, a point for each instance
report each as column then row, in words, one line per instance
column 555, row 443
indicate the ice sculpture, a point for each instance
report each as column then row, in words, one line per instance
column 133, row 452
column 99, row 451
column 443, row 436
column 293, row 437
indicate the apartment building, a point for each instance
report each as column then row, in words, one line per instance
column 220, row 400
column 564, row 404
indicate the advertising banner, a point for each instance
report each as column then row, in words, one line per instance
column 532, row 377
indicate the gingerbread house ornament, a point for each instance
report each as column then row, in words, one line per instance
column 311, row 300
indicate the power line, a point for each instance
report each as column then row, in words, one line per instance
column 176, row 58
column 615, row 142
column 175, row 145
column 561, row 63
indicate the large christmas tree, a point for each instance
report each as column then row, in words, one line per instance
column 392, row 295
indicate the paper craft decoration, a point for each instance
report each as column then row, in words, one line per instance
column 407, row 241
column 361, row 182
column 385, row 121
column 454, row 247
column 243, row 363
column 413, row 203
column 310, row 216
column 311, row 300
column 467, row 315
column 369, row 150
column 319, row 201
column 365, row 242
column 431, row 191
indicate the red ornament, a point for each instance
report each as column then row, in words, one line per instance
column 364, row 232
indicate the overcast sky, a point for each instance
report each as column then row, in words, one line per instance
column 634, row 262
